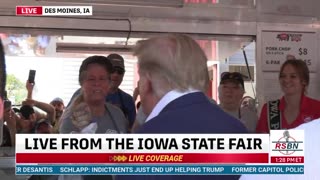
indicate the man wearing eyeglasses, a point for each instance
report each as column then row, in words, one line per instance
column 231, row 91
column 116, row 96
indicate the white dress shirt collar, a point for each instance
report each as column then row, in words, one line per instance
column 165, row 100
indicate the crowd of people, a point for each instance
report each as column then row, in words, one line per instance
column 173, row 80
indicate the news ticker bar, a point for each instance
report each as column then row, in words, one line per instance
column 53, row 10
column 157, row 170
column 80, row 158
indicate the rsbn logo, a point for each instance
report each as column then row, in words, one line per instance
column 287, row 145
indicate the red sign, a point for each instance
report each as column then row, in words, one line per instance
column 29, row 10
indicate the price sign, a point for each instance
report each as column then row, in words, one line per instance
column 303, row 51
column 276, row 45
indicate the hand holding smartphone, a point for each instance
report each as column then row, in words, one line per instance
column 32, row 75
column 7, row 102
column 30, row 84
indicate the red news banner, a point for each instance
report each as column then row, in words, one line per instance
column 53, row 10
column 146, row 148
column 217, row 158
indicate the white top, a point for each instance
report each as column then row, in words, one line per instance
column 247, row 115
column 165, row 100
column 311, row 156
column 141, row 117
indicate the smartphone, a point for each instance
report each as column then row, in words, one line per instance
column 32, row 75
column 7, row 104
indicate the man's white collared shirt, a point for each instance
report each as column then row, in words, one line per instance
column 165, row 100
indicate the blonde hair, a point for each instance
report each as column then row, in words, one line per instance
column 173, row 61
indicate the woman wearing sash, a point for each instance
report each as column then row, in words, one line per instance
column 294, row 108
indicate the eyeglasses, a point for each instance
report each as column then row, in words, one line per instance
column 94, row 80
column 230, row 86
column 118, row 71
column 227, row 75
column 234, row 76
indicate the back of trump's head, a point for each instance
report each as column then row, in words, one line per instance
column 173, row 61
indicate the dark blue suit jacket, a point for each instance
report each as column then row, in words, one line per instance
column 191, row 113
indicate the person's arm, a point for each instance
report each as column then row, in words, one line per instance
column 262, row 126
column 75, row 94
column 29, row 87
column 11, row 118
column 13, row 132
column 48, row 108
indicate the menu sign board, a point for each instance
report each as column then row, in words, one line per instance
column 276, row 45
